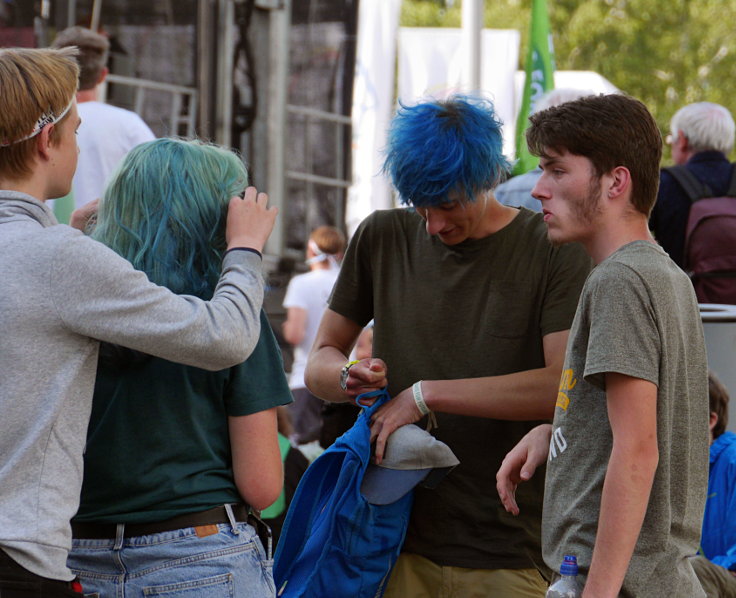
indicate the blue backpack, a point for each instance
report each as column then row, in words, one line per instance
column 334, row 543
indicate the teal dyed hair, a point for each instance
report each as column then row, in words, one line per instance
column 164, row 211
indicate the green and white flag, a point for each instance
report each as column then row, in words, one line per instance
column 540, row 70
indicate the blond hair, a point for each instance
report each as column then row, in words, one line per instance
column 34, row 83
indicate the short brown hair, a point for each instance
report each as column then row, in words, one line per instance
column 329, row 239
column 610, row 130
column 718, row 403
column 92, row 57
column 34, row 82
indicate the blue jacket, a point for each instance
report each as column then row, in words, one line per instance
column 335, row 543
column 719, row 523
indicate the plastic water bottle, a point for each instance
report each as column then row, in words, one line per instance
column 567, row 586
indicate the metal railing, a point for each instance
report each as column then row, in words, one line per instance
column 181, row 113
column 310, row 116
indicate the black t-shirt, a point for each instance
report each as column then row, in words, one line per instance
column 479, row 308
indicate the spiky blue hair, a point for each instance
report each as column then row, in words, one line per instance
column 439, row 147
column 164, row 211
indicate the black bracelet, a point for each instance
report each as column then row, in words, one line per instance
column 258, row 253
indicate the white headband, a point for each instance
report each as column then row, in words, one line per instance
column 47, row 118
column 320, row 256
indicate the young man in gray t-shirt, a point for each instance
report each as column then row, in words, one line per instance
column 627, row 452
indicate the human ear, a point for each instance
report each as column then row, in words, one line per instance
column 43, row 143
column 713, row 420
column 620, row 181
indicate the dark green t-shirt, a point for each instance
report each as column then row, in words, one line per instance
column 158, row 443
column 480, row 308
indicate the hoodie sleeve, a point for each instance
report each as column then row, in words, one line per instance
column 99, row 294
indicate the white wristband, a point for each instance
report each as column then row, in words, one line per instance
column 419, row 398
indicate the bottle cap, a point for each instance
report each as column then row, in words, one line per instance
column 569, row 565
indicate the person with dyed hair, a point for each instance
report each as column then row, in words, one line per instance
column 178, row 456
column 61, row 294
column 472, row 307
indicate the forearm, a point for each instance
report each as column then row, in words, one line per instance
column 223, row 331
column 322, row 375
column 332, row 346
column 292, row 334
column 624, row 500
column 527, row 395
column 295, row 325
column 256, row 458
column 109, row 301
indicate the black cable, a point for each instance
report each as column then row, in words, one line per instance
column 244, row 114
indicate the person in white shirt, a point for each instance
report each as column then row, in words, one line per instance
column 305, row 302
column 107, row 133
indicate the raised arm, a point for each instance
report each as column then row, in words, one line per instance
column 104, row 298
column 632, row 412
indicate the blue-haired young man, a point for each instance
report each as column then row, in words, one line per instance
column 472, row 307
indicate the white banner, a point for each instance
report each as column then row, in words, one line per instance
column 431, row 64
column 373, row 91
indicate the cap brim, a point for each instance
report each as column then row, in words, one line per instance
column 383, row 486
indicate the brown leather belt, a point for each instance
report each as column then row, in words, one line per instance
column 104, row 531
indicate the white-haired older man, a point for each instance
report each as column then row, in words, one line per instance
column 701, row 136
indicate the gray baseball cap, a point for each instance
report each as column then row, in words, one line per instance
column 412, row 456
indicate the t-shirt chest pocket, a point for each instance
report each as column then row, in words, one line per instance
column 506, row 309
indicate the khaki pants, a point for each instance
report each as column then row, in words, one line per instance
column 417, row 577
column 716, row 581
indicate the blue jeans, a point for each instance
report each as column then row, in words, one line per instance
column 218, row 561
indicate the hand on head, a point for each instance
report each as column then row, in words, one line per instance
column 249, row 220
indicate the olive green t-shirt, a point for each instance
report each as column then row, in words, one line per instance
column 158, row 443
column 479, row 308
column 638, row 316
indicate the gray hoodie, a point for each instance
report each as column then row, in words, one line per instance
column 61, row 293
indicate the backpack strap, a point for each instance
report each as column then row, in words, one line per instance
column 732, row 185
column 692, row 187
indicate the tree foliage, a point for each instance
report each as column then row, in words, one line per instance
column 667, row 54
